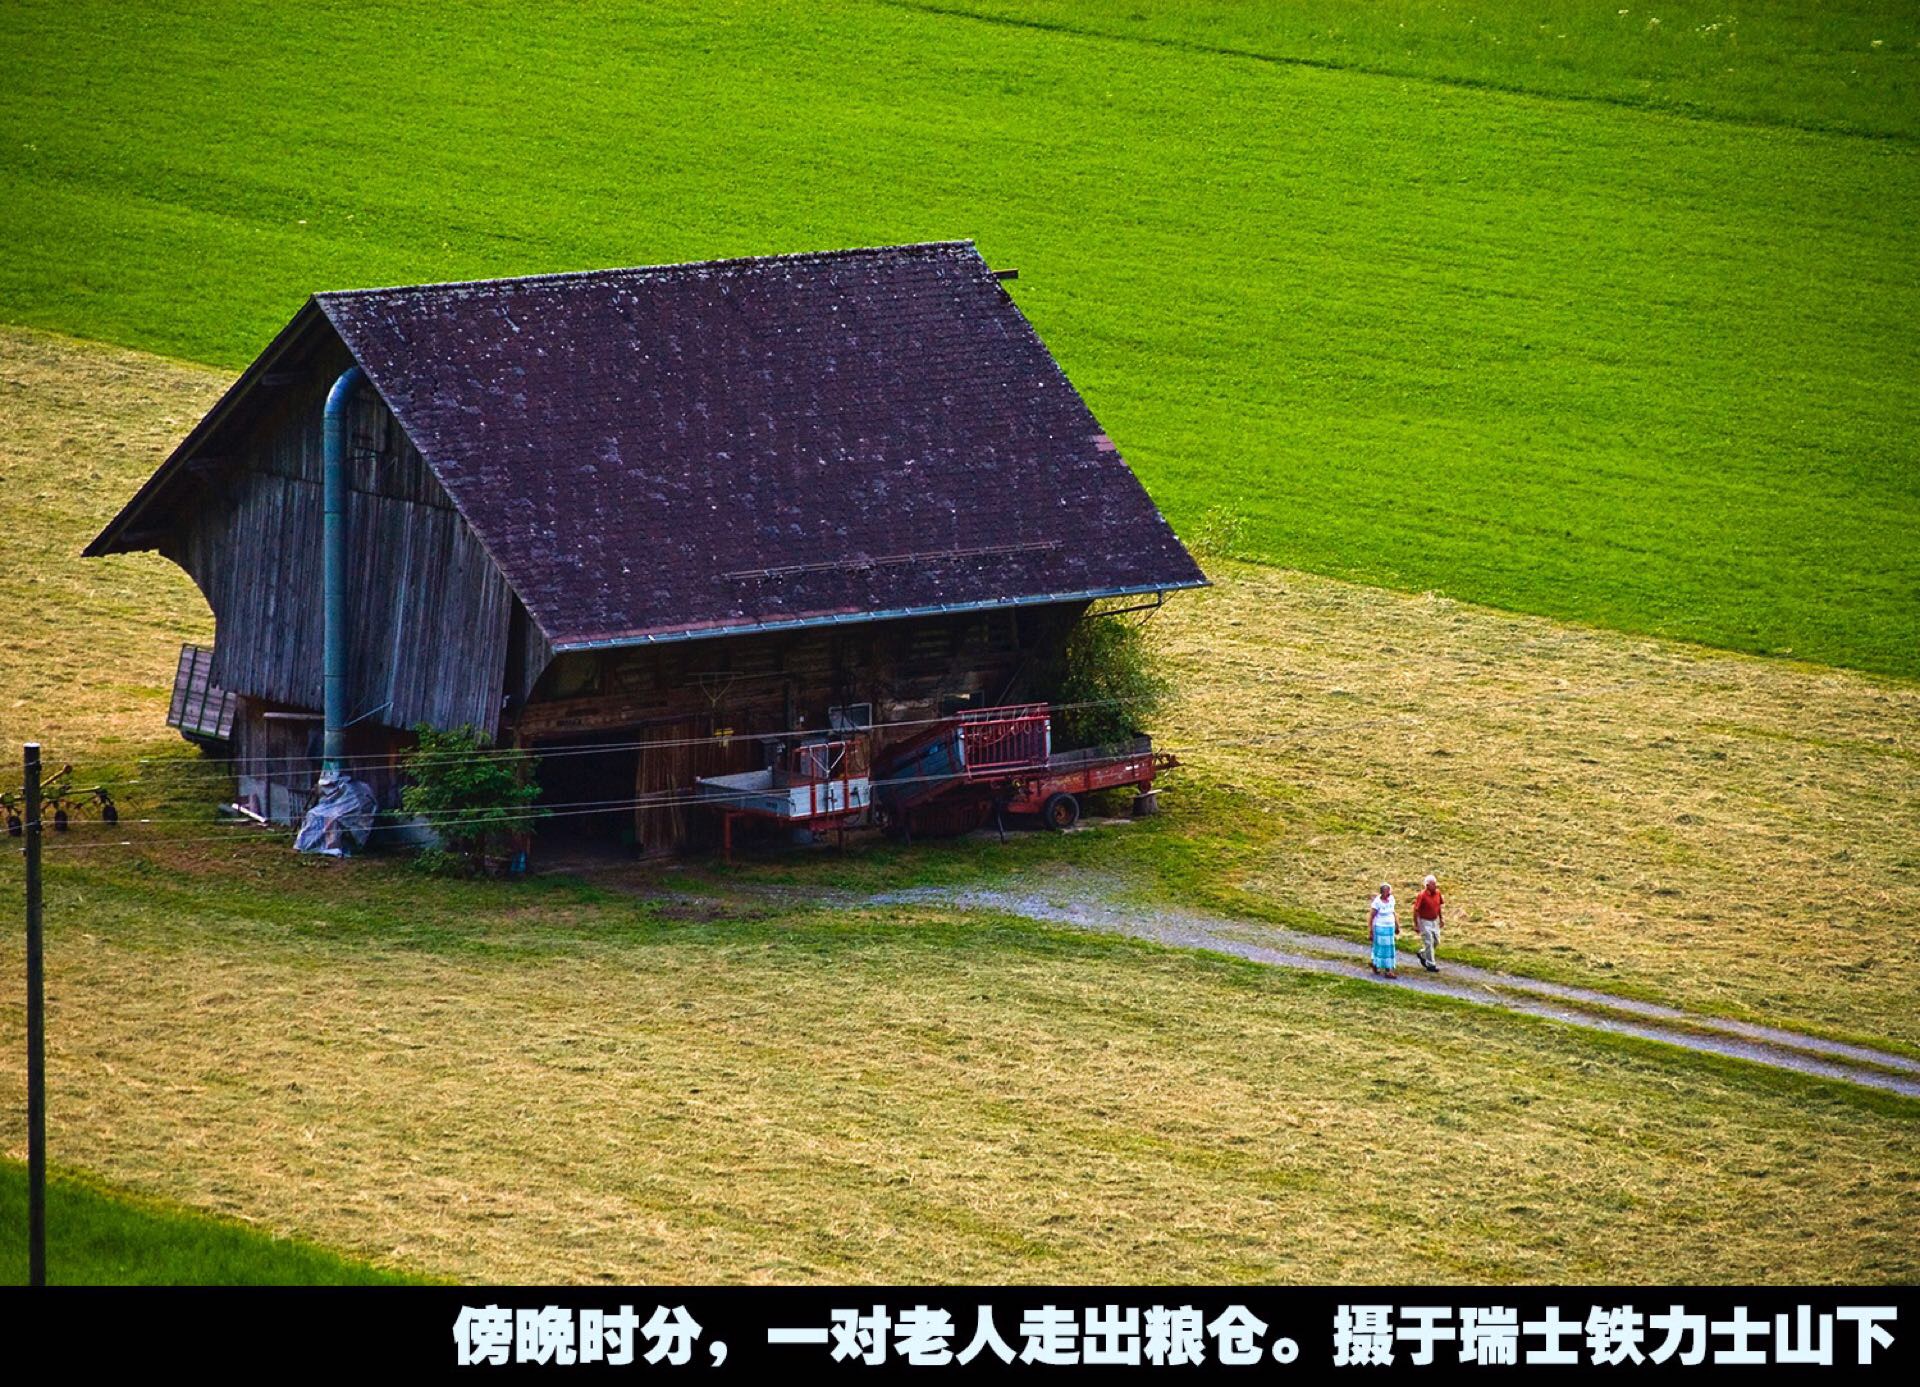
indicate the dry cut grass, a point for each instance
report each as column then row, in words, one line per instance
column 89, row 646
column 541, row 1082
column 566, row 1089
column 1733, row 833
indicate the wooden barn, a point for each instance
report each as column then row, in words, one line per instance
column 616, row 513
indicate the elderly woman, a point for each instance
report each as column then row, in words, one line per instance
column 1381, row 921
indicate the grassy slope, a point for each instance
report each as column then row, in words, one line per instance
column 1567, row 357
column 101, row 1237
column 592, row 1088
column 1847, row 65
column 1630, row 814
column 1606, row 809
column 549, row 1081
column 1645, row 817
column 90, row 647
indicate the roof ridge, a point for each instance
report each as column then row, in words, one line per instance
column 612, row 271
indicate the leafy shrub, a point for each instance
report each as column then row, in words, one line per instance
column 1113, row 670
column 477, row 799
column 1220, row 533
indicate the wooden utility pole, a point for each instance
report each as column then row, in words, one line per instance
column 36, row 1038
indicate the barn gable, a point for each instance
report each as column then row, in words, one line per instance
column 238, row 506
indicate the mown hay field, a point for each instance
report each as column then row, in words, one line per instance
column 1555, row 310
column 1733, row 834
column 89, row 649
column 564, row 1084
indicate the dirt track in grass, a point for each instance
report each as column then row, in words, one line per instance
column 1577, row 1006
column 559, row 1085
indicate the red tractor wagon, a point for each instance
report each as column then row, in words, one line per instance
column 964, row 770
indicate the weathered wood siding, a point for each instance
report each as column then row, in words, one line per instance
column 429, row 612
column 276, row 755
column 200, row 708
column 705, row 707
column 905, row 669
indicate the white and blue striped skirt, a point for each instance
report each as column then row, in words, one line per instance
column 1383, row 948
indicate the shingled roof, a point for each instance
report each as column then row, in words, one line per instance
column 689, row 450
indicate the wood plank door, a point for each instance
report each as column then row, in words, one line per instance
column 672, row 756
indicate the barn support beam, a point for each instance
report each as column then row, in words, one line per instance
column 333, row 539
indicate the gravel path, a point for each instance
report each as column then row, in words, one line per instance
column 1318, row 953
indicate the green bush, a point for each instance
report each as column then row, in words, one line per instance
column 479, row 800
column 1113, row 672
column 1221, row 533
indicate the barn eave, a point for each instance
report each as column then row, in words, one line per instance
column 852, row 618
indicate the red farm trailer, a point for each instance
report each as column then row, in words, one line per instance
column 965, row 770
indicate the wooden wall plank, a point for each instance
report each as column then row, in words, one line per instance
column 429, row 611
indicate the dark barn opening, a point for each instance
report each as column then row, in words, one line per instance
column 587, row 772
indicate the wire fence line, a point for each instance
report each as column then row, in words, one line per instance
column 210, row 768
column 1188, row 747
column 243, row 829
column 166, row 774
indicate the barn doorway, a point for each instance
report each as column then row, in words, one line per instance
column 672, row 756
column 627, row 791
column 587, row 781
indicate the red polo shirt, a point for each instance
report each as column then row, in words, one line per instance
column 1427, row 907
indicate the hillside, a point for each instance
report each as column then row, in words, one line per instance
column 1417, row 318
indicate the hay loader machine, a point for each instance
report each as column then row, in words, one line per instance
column 996, row 762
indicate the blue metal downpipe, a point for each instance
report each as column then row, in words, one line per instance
column 333, row 557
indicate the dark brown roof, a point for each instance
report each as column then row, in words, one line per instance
column 653, row 454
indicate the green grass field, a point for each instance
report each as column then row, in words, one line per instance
column 1415, row 315
column 1852, row 66
column 1551, row 308
column 101, row 1237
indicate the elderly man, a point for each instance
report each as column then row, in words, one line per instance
column 1429, row 912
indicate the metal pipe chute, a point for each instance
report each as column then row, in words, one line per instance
column 334, row 477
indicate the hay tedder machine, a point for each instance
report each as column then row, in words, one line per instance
column 62, row 800
column 953, row 776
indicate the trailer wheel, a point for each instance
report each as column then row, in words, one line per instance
column 1061, row 812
